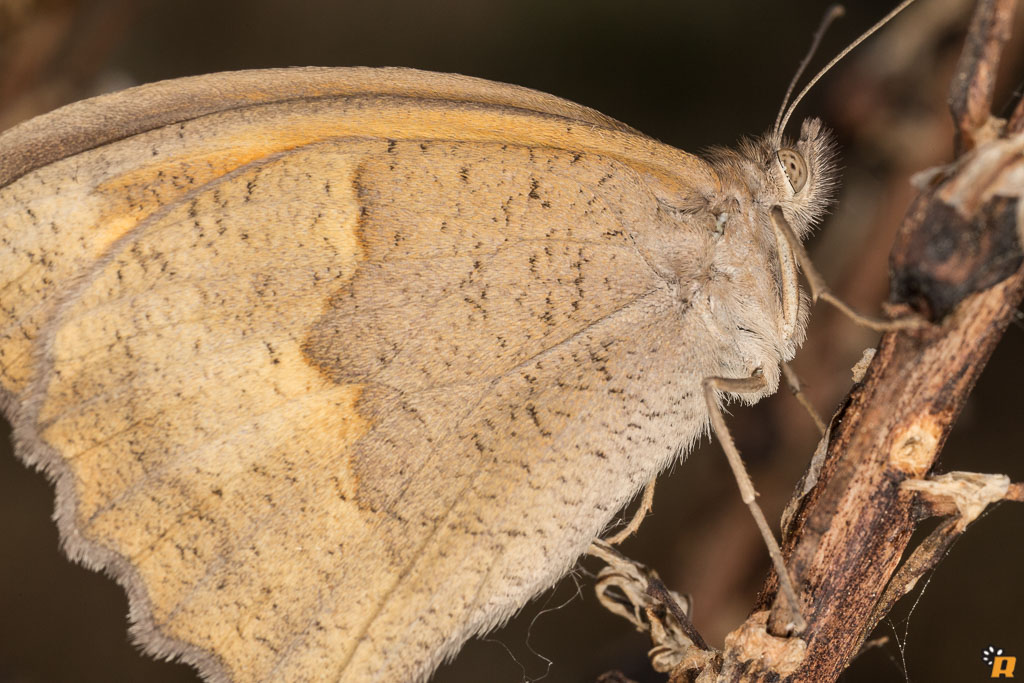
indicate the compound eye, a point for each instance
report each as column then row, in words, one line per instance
column 795, row 167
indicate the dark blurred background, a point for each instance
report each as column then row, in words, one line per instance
column 693, row 75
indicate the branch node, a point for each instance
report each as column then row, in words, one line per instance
column 968, row 493
column 757, row 649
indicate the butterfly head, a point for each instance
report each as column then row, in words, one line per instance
column 763, row 300
column 799, row 178
column 801, row 175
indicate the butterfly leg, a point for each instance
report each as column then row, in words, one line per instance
column 744, row 385
column 794, row 385
column 638, row 517
column 819, row 290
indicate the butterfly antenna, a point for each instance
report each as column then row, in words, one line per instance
column 780, row 126
column 831, row 14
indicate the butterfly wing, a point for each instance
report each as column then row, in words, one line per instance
column 331, row 384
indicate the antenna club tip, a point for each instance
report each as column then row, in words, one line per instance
column 836, row 11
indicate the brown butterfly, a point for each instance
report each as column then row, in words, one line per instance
column 354, row 362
